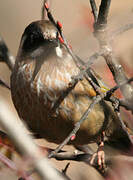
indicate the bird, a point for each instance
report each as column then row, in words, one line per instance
column 42, row 72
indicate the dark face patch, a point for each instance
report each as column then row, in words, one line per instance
column 38, row 34
column 33, row 37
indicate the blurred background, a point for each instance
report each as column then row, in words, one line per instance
column 77, row 22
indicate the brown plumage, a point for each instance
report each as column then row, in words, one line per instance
column 43, row 69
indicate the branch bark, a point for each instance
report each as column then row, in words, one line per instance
column 5, row 55
column 25, row 145
column 101, row 33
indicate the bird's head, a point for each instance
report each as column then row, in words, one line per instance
column 38, row 33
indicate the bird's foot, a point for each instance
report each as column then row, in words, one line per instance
column 98, row 158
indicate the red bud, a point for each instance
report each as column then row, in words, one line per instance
column 46, row 5
column 59, row 24
column 70, row 46
column 73, row 137
column 61, row 40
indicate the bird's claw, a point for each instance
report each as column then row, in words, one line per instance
column 98, row 158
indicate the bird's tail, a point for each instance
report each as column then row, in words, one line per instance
column 121, row 140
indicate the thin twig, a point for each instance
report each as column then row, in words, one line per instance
column 100, row 32
column 65, row 170
column 96, row 100
column 96, row 87
column 43, row 12
column 113, row 99
column 103, row 14
column 76, row 59
column 121, row 30
column 102, row 37
column 58, row 25
column 78, row 156
column 4, row 84
column 112, row 90
column 85, row 68
column 11, row 165
column 94, row 9
column 77, row 125
column 85, row 157
column 5, row 55
column 64, row 94
column 120, row 77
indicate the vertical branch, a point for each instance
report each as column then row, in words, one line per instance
column 103, row 13
column 101, row 33
column 94, row 9
column 44, row 12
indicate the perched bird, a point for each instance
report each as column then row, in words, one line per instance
column 43, row 70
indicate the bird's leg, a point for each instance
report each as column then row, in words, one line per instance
column 99, row 155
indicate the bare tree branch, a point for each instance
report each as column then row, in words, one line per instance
column 25, row 145
column 97, row 99
column 100, row 33
column 94, row 9
column 121, row 30
column 103, row 14
column 5, row 55
column 10, row 164
column 4, row 84
column 77, row 125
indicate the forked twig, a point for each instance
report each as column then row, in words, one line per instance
column 94, row 9
column 100, row 32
